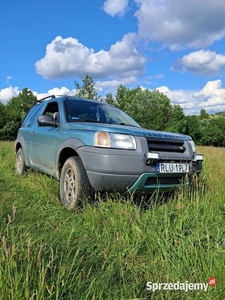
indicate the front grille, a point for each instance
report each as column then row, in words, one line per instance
column 166, row 145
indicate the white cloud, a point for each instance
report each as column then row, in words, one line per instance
column 181, row 23
column 181, row 97
column 8, row 93
column 212, row 95
column 201, row 62
column 56, row 91
column 115, row 7
column 116, row 82
column 211, row 98
column 69, row 58
column 111, row 86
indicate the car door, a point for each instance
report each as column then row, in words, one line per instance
column 43, row 141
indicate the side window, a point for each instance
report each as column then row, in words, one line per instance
column 52, row 110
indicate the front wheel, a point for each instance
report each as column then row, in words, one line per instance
column 74, row 183
column 20, row 166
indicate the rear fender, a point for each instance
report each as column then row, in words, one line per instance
column 20, row 143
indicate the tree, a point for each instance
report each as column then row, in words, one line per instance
column 193, row 128
column 203, row 114
column 213, row 133
column 2, row 120
column 87, row 90
column 20, row 105
column 151, row 109
column 109, row 99
column 124, row 96
column 16, row 110
column 2, row 115
column 178, row 121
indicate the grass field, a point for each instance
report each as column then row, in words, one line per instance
column 112, row 248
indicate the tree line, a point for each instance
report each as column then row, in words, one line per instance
column 151, row 109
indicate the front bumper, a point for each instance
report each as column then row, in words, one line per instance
column 126, row 170
column 151, row 182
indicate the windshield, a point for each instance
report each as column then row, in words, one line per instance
column 85, row 111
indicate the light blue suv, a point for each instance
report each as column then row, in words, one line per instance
column 90, row 145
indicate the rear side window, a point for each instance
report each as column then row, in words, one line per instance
column 31, row 115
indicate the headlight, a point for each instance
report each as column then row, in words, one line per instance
column 193, row 146
column 114, row 140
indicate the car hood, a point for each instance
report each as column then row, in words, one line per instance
column 135, row 131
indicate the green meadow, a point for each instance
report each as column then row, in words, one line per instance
column 112, row 247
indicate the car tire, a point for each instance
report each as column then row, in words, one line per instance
column 74, row 183
column 20, row 166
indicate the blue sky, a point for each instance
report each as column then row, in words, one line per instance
column 177, row 47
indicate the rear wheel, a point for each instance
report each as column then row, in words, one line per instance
column 74, row 184
column 20, row 166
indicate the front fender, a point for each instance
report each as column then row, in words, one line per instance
column 66, row 149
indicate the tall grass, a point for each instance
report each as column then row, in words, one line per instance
column 112, row 248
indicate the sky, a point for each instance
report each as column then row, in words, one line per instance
column 174, row 46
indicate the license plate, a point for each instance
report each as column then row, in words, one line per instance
column 172, row 168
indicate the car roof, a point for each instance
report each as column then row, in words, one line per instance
column 64, row 97
column 74, row 98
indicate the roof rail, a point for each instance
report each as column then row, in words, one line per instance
column 42, row 99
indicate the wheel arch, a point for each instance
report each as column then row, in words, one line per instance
column 20, row 143
column 66, row 150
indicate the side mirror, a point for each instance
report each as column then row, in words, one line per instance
column 45, row 120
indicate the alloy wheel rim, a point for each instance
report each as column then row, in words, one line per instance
column 19, row 163
column 70, row 185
